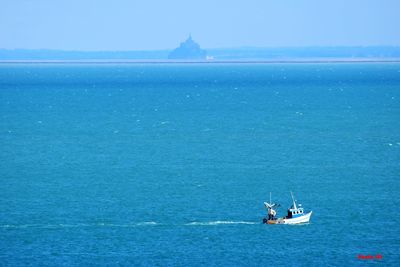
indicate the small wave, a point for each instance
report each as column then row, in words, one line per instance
column 20, row 225
column 127, row 225
column 220, row 222
column 146, row 223
column 299, row 224
column 78, row 225
column 7, row 226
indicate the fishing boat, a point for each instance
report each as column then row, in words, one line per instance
column 296, row 214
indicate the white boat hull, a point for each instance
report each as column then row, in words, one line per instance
column 301, row 219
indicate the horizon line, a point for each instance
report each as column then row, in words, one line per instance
column 290, row 61
column 212, row 48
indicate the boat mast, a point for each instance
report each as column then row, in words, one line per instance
column 294, row 202
column 270, row 201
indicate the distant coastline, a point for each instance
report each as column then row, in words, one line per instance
column 214, row 55
column 288, row 61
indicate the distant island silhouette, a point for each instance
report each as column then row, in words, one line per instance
column 188, row 50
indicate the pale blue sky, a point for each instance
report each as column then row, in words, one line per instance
column 157, row 24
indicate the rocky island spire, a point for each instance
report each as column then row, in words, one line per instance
column 188, row 50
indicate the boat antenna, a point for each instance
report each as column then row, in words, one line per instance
column 270, row 201
column 294, row 202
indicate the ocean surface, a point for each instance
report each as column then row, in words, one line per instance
column 169, row 164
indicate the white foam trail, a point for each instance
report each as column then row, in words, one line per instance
column 127, row 225
column 138, row 224
column 147, row 223
column 220, row 222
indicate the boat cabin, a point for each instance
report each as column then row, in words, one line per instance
column 295, row 212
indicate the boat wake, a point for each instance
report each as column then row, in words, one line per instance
column 112, row 225
column 220, row 222
column 146, row 223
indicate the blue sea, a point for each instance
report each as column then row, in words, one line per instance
column 169, row 164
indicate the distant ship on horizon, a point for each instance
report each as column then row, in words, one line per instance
column 188, row 49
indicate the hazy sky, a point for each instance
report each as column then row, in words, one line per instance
column 163, row 24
